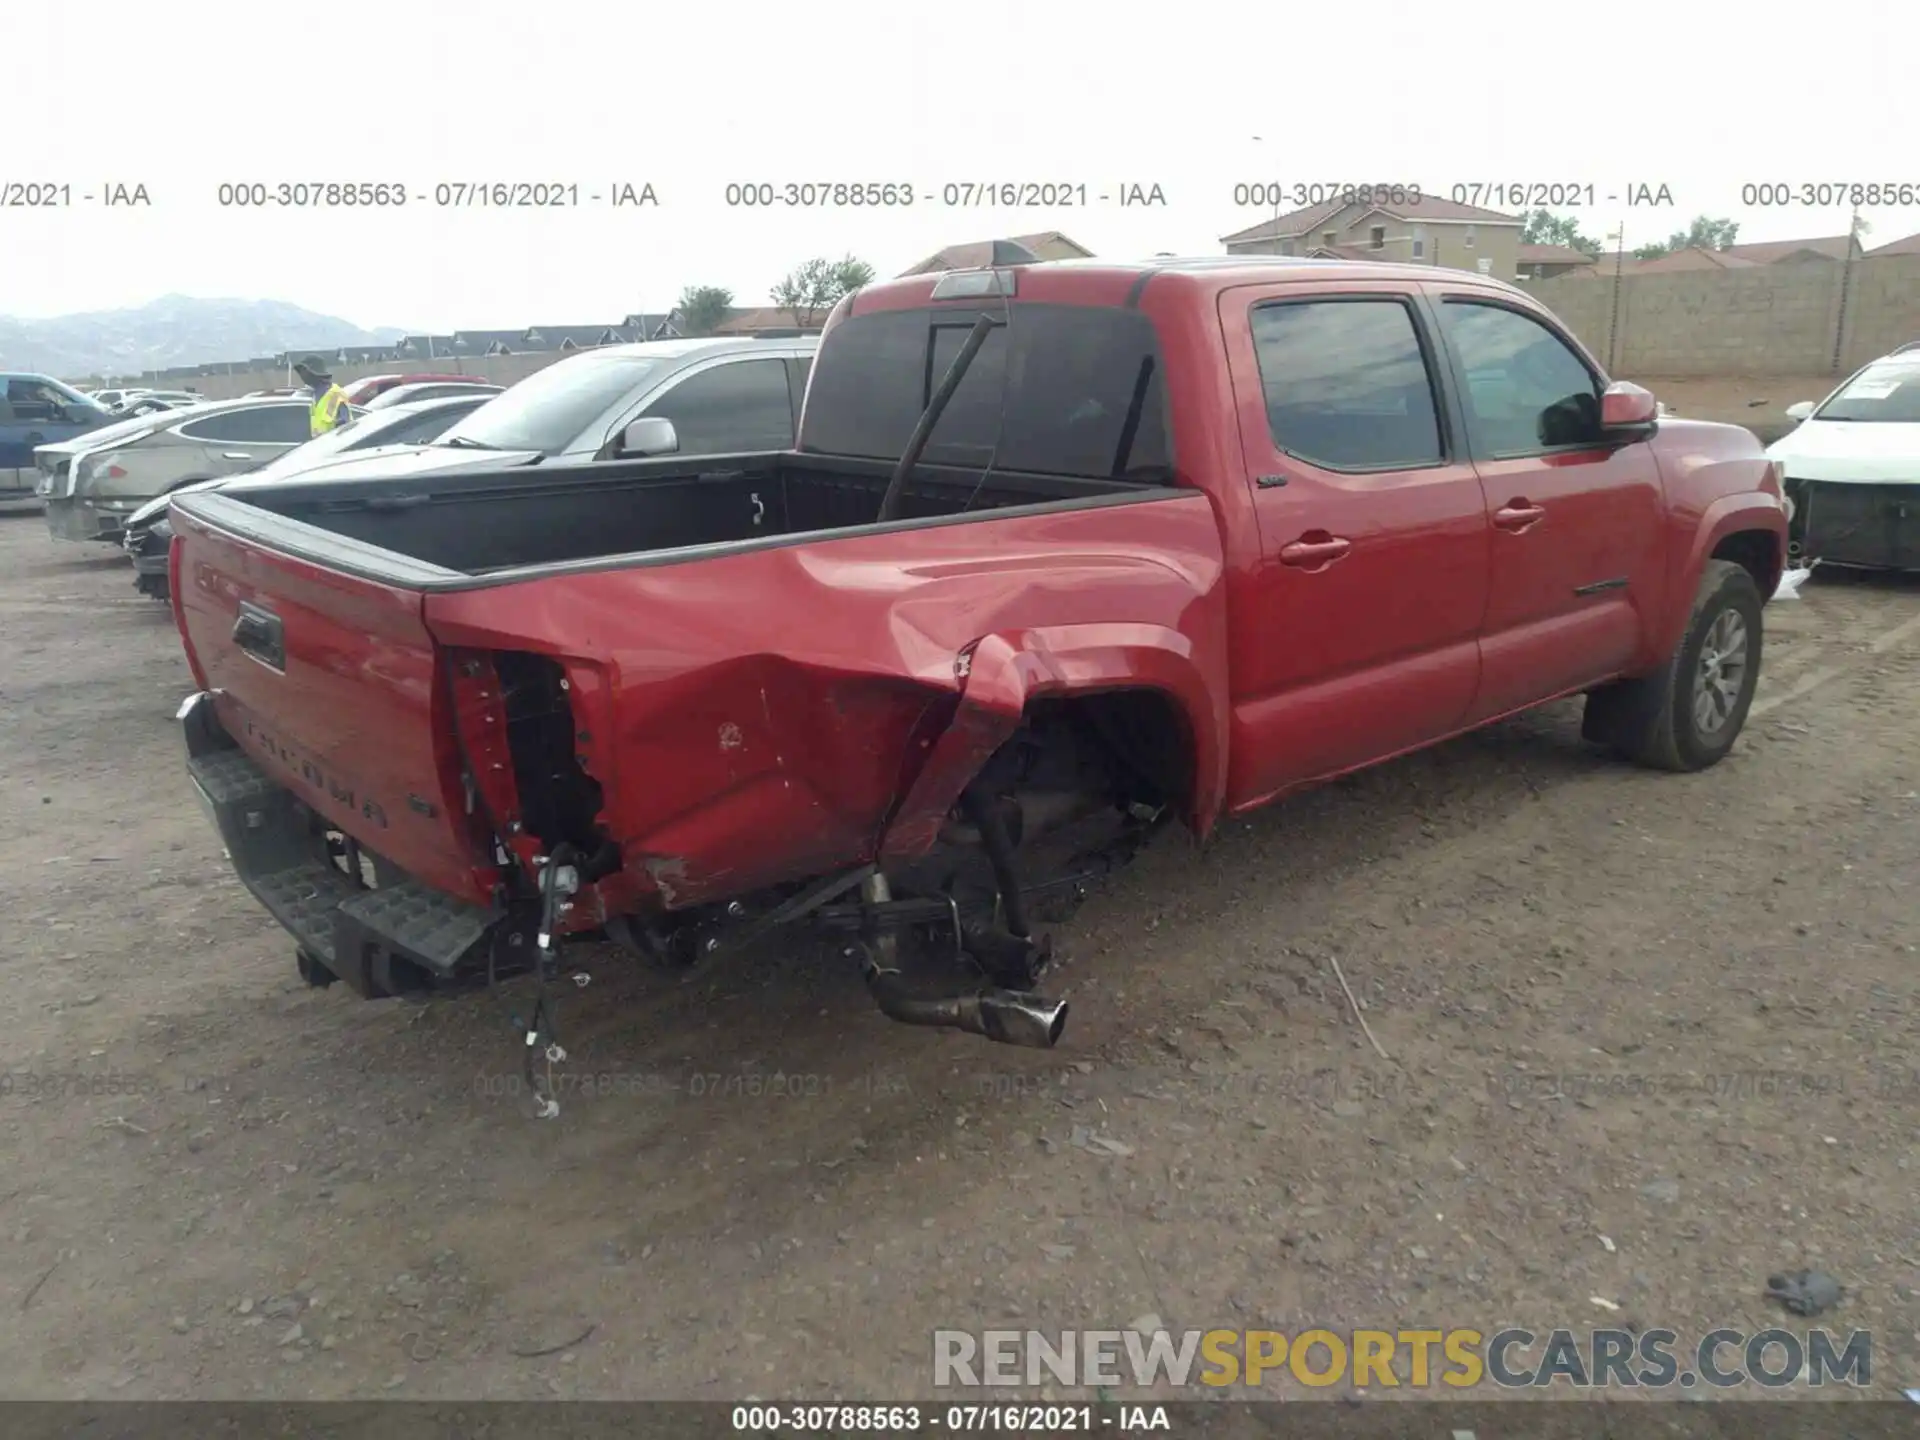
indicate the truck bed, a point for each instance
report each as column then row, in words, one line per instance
column 479, row 524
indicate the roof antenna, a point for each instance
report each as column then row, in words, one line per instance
column 1010, row 252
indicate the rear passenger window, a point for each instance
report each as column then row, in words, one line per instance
column 254, row 425
column 1346, row 384
column 1526, row 390
column 1083, row 394
column 737, row 407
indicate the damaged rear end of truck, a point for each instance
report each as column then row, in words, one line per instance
column 912, row 685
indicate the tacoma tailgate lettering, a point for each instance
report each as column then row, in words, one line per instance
column 296, row 761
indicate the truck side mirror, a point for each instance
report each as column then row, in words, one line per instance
column 649, row 435
column 1628, row 411
column 1800, row 410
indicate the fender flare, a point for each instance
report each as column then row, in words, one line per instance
column 1004, row 671
column 1730, row 514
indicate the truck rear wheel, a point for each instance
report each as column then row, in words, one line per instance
column 1688, row 715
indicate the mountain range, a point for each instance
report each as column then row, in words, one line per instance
column 173, row 330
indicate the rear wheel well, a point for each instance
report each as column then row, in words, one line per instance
column 1135, row 743
column 1755, row 551
column 1067, row 797
column 1147, row 736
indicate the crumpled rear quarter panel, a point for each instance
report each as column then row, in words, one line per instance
column 756, row 718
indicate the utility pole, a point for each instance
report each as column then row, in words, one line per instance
column 1846, row 291
column 1619, row 238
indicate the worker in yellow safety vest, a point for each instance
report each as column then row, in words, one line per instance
column 329, row 400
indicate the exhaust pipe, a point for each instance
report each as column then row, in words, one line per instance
column 1012, row 1017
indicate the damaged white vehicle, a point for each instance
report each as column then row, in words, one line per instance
column 1853, row 469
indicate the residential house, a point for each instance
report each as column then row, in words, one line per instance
column 1549, row 262
column 1427, row 231
column 425, row 347
column 1047, row 245
column 331, row 354
column 645, row 325
column 574, row 337
column 1826, row 249
column 773, row 320
column 498, row 342
column 1695, row 257
column 363, row 355
column 1908, row 246
column 493, row 342
column 1692, row 257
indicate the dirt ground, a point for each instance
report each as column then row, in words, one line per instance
column 218, row 1183
column 1757, row 401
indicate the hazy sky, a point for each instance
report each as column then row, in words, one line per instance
column 688, row 98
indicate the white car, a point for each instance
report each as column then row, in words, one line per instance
column 1853, row 469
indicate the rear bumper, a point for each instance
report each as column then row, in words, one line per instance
column 397, row 938
column 80, row 519
column 1870, row 527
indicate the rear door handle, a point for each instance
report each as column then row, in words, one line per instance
column 235, row 455
column 1518, row 515
column 1315, row 550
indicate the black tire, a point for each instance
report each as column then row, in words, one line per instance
column 1659, row 720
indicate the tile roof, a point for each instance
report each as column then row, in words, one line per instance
column 581, row 336
column 1909, row 245
column 1428, row 207
column 771, row 317
column 1047, row 244
column 1553, row 255
column 1694, row 257
column 1765, row 252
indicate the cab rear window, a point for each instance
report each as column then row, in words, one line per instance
column 1059, row 390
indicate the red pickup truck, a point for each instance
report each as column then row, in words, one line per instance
column 1063, row 552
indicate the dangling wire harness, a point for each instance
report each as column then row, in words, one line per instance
column 558, row 878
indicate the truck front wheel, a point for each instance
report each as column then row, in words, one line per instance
column 1688, row 715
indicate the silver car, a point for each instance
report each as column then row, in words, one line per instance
column 148, row 533
column 720, row 397
column 429, row 390
column 92, row 483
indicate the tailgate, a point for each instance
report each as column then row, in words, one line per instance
column 331, row 683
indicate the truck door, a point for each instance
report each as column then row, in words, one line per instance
column 15, row 453
column 1356, row 635
column 1577, row 525
column 32, row 414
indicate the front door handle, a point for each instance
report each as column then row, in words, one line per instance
column 235, row 455
column 1518, row 515
column 1314, row 550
